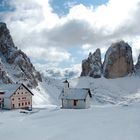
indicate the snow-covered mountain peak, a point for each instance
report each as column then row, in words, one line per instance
column 16, row 66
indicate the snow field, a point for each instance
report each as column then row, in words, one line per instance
column 53, row 123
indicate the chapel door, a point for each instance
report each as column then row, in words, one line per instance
column 75, row 102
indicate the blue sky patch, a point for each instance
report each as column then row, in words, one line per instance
column 4, row 6
column 61, row 7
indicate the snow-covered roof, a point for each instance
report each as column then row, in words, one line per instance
column 9, row 89
column 75, row 93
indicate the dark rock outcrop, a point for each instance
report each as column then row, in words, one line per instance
column 3, row 76
column 16, row 63
column 118, row 60
column 137, row 66
column 92, row 66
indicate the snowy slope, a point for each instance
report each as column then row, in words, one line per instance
column 124, row 90
column 120, row 91
column 114, row 114
column 97, row 123
column 47, row 92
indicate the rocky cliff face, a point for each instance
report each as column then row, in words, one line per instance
column 137, row 66
column 3, row 76
column 15, row 65
column 92, row 66
column 118, row 60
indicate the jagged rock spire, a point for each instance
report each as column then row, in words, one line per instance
column 92, row 66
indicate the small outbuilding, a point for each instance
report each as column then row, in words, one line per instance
column 14, row 96
column 75, row 98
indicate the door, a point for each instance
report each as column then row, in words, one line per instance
column 75, row 102
column 13, row 105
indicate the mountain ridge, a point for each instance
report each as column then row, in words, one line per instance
column 15, row 65
column 118, row 62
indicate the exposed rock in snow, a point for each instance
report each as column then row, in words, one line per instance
column 118, row 60
column 16, row 65
column 92, row 66
column 3, row 76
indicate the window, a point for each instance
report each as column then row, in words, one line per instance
column 19, row 98
column 12, row 99
column 25, row 103
column 75, row 102
column 28, row 103
column 19, row 104
column 23, row 97
column 22, row 104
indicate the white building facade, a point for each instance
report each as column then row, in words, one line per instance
column 74, row 98
column 16, row 96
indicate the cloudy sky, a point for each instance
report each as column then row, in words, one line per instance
column 58, row 34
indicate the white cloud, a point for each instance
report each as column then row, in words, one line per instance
column 37, row 29
column 58, row 73
column 51, row 54
column 86, row 46
column 136, row 47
